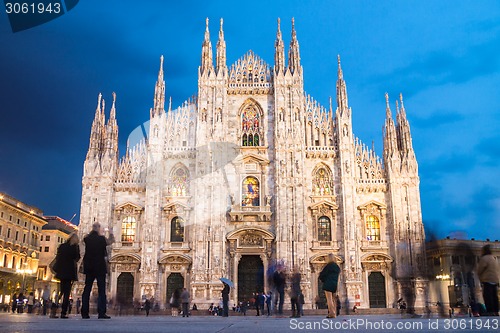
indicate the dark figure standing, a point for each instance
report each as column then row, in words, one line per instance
column 14, row 303
column 147, row 306
column 78, row 305
column 20, row 303
column 487, row 269
column 65, row 267
column 94, row 268
column 269, row 298
column 225, row 300
column 185, row 302
column 295, row 293
column 330, row 277
column 279, row 280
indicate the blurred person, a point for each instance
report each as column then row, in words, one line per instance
column 330, row 277
column 487, row 270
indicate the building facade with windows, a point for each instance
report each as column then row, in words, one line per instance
column 54, row 233
column 20, row 231
column 453, row 278
column 249, row 172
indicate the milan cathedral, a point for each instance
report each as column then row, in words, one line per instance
column 250, row 172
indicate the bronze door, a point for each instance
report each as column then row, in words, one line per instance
column 250, row 277
column 125, row 289
column 376, row 290
column 174, row 281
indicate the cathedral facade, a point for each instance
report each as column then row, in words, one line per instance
column 250, row 172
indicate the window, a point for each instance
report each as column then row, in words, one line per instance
column 24, row 238
column 46, row 249
column 322, row 181
column 13, row 262
column 128, row 229
column 324, row 229
column 372, row 228
column 0, row 230
column 8, row 233
column 17, row 235
column 250, row 192
column 179, row 183
column 437, row 261
column 250, row 123
column 177, row 229
column 47, row 238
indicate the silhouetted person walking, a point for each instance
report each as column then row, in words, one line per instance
column 225, row 300
column 94, row 268
column 65, row 267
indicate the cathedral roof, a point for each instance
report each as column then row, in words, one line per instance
column 250, row 74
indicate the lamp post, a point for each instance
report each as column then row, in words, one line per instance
column 23, row 272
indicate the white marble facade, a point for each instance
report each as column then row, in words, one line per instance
column 254, row 166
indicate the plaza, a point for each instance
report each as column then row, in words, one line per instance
column 164, row 323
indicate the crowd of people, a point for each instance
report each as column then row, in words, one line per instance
column 95, row 268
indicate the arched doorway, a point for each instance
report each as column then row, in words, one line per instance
column 250, row 276
column 376, row 290
column 174, row 281
column 125, row 289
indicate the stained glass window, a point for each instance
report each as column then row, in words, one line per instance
column 372, row 228
column 128, row 229
column 179, row 183
column 177, row 229
column 250, row 192
column 324, row 229
column 322, row 182
column 250, row 123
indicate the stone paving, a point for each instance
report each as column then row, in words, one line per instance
column 14, row 323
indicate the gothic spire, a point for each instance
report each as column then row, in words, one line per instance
column 96, row 131
column 206, row 53
column 390, row 137
column 221, row 50
column 404, row 130
column 159, row 100
column 111, row 139
column 279, row 52
column 293, row 52
column 341, row 90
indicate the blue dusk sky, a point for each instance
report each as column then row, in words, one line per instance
column 443, row 56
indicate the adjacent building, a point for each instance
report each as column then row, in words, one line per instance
column 452, row 263
column 251, row 171
column 54, row 233
column 20, row 232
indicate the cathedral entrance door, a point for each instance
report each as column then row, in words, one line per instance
column 174, row 281
column 125, row 289
column 376, row 290
column 250, row 276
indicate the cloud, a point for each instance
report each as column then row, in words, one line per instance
column 444, row 67
column 436, row 119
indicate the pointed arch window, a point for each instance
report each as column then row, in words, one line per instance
column 250, row 125
column 322, row 182
column 250, row 192
column 372, row 228
column 128, row 229
column 179, row 183
column 177, row 229
column 324, row 229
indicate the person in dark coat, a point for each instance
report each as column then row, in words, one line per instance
column 279, row 280
column 65, row 268
column 225, row 300
column 95, row 268
column 330, row 278
column 185, row 302
column 147, row 306
column 295, row 294
column 14, row 303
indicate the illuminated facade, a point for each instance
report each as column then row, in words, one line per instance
column 20, row 231
column 251, row 171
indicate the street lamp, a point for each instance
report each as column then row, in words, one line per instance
column 24, row 271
